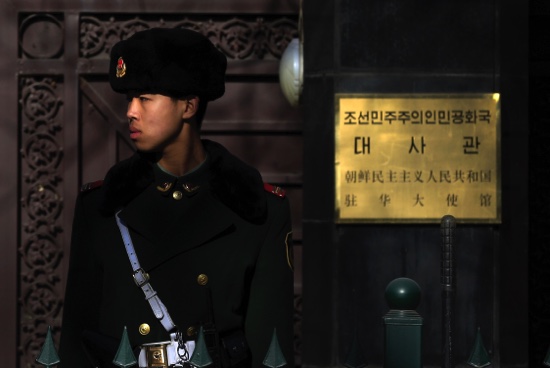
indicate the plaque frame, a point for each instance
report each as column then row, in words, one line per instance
column 448, row 157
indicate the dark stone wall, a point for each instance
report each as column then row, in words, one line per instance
column 403, row 46
column 539, row 196
column 417, row 36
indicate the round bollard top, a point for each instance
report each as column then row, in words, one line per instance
column 403, row 294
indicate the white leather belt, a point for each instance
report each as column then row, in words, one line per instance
column 142, row 279
column 173, row 353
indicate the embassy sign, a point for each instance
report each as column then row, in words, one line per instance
column 415, row 158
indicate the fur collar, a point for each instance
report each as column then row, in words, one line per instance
column 234, row 183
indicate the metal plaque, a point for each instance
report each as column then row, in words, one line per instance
column 416, row 158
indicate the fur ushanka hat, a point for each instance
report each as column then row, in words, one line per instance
column 175, row 62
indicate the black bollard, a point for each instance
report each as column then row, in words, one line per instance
column 402, row 325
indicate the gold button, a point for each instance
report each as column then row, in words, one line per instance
column 202, row 279
column 177, row 195
column 191, row 331
column 144, row 329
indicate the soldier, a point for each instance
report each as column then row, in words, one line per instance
column 182, row 239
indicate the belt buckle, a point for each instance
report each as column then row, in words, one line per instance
column 140, row 277
column 156, row 354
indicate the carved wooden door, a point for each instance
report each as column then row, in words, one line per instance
column 63, row 126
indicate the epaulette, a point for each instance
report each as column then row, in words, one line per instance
column 92, row 185
column 274, row 189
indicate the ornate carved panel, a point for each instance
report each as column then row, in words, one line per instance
column 41, row 199
column 243, row 37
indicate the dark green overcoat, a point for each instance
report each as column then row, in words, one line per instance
column 219, row 256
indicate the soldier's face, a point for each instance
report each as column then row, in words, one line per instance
column 156, row 121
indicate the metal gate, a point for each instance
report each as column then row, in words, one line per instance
column 62, row 127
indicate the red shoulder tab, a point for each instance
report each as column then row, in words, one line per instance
column 92, row 185
column 278, row 191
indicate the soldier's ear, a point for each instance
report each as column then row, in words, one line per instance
column 191, row 107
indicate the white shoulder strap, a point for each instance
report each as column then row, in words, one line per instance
column 142, row 279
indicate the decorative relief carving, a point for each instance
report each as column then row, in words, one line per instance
column 41, row 36
column 42, row 154
column 43, row 205
column 246, row 37
column 40, row 251
column 41, row 301
column 40, row 105
column 41, row 254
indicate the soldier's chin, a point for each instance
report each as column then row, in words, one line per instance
column 148, row 150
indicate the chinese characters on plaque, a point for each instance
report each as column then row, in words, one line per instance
column 416, row 158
